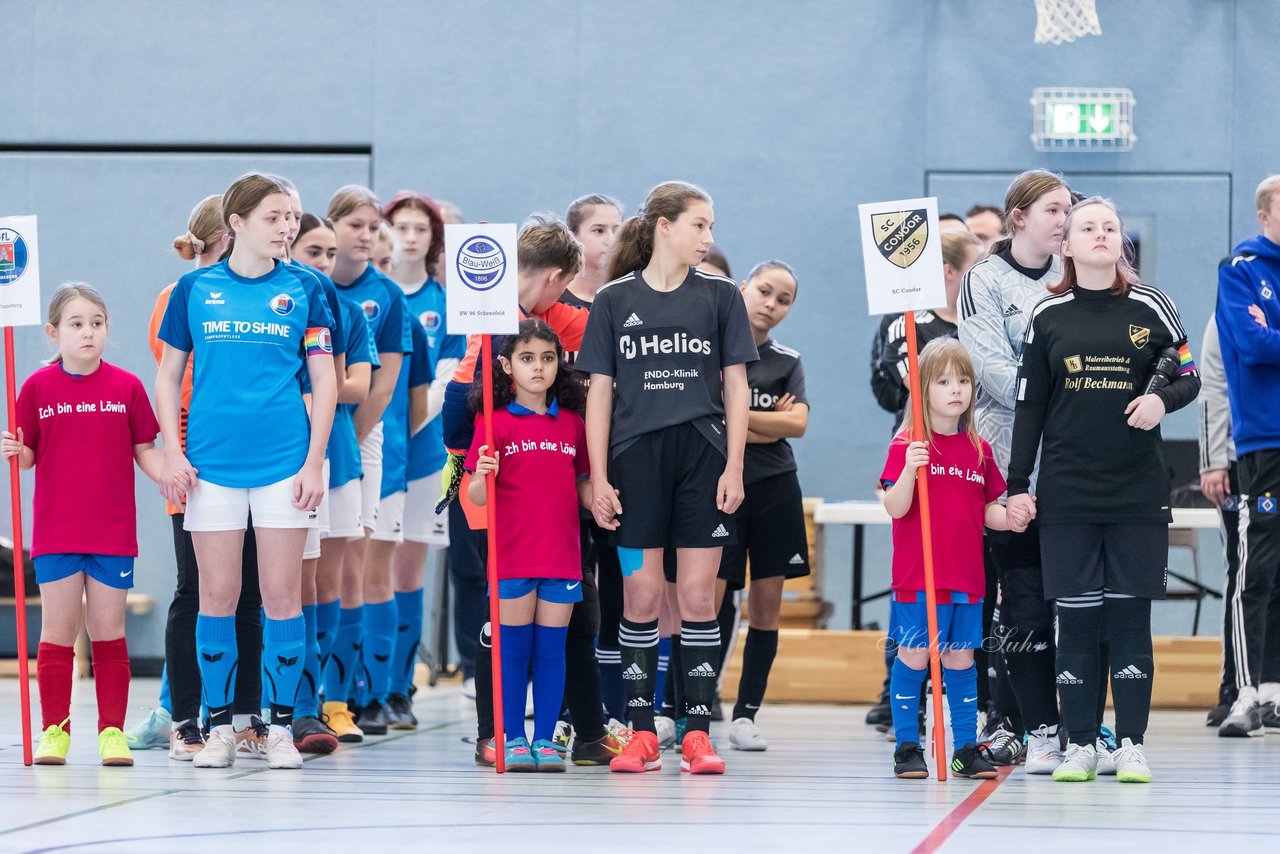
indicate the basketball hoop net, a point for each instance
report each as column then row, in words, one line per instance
column 1059, row 21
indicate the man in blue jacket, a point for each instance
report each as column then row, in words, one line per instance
column 1248, row 316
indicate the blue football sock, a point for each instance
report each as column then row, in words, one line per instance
column 265, row 700
column 548, row 678
column 904, row 699
column 308, row 685
column 344, row 657
column 166, row 702
column 379, row 647
column 408, row 637
column 664, row 661
column 283, row 649
column 962, row 700
column 219, row 655
column 326, row 633
column 517, row 650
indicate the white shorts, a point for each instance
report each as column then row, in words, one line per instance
column 371, row 482
column 421, row 524
column 389, row 526
column 344, row 512
column 320, row 529
column 222, row 508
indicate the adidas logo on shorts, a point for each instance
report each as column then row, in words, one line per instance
column 632, row 321
column 703, row 669
column 633, row 672
column 1130, row 672
column 1066, row 677
column 720, row 531
column 699, row 710
column 796, row 560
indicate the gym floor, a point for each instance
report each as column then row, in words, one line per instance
column 824, row 784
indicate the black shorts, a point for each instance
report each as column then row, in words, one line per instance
column 1125, row 557
column 771, row 532
column 667, row 484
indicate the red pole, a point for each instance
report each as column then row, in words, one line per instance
column 491, row 532
column 19, row 569
column 926, row 535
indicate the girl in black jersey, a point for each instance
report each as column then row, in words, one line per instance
column 1085, row 402
column 667, row 447
column 770, row 522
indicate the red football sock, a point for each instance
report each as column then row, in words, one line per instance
column 111, row 679
column 53, row 677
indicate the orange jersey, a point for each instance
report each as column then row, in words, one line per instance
column 157, row 350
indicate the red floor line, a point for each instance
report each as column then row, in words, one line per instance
column 956, row 817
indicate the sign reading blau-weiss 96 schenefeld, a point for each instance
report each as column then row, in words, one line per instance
column 902, row 254
column 483, row 279
column 19, row 272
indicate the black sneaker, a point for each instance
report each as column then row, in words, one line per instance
column 1217, row 714
column 372, row 719
column 1003, row 746
column 1270, row 716
column 593, row 752
column 969, row 762
column 312, row 736
column 1244, row 720
column 880, row 715
column 908, row 762
column 400, row 712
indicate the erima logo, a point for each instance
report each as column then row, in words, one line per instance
column 1130, row 672
column 1012, row 310
column 662, row 345
column 703, row 669
column 720, row 531
column 377, row 657
column 1066, row 677
column 215, row 298
column 633, row 672
column 211, row 657
column 283, row 662
column 699, row 710
column 632, row 321
column 796, row 560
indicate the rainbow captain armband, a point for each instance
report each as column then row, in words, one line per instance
column 1186, row 364
column 319, row 341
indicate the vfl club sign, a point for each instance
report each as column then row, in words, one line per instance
column 19, row 272
column 901, row 236
column 903, row 265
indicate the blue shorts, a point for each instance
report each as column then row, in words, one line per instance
column 959, row 625
column 111, row 570
column 563, row 591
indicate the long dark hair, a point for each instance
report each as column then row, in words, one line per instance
column 566, row 390
column 634, row 245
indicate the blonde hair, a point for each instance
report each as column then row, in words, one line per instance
column 205, row 227
column 64, row 295
column 956, row 245
column 937, row 357
column 347, row 200
column 1024, row 191
column 1266, row 190
column 546, row 243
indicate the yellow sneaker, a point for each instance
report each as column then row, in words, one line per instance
column 338, row 718
column 113, row 747
column 54, row 744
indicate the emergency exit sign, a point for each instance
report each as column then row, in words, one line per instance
column 1082, row 119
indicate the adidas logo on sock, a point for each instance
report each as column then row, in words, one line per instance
column 632, row 321
column 720, row 531
column 699, row 710
column 639, row 702
column 703, row 669
column 1066, row 677
column 633, row 672
column 1130, row 672
column 796, row 560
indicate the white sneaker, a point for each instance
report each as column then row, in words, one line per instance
column 1106, row 759
column 469, row 688
column 186, row 741
column 1080, row 765
column 665, row 727
column 1131, row 763
column 281, row 752
column 745, row 735
column 219, row 749
column 153, row 732
column 1044, row 753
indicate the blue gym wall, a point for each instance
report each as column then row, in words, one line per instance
column 789, row 114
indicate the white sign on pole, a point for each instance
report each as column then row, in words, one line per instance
column 483, row 282
column 902, row 253
column 19, row 272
